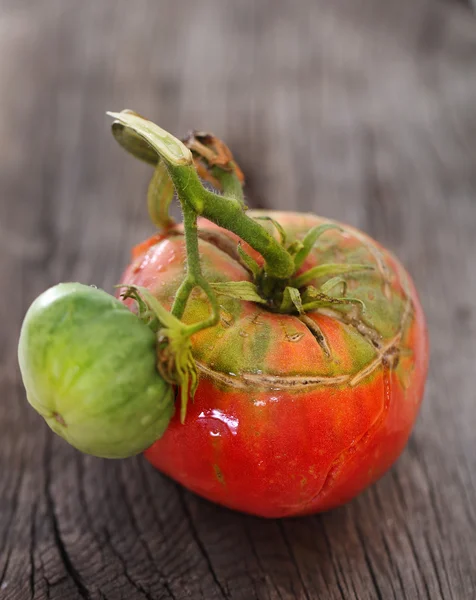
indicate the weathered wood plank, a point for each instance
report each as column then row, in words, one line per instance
column 362, row 111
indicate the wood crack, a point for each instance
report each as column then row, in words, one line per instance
column 135, row 524
column 388, row 552
column 337, row 570
column 5, row 567
column 413, row 549
column 259, row 562
column 200, row 545
column 368, row 563
column 123, row 563
column 437, row 569
column 293, row 558
column 15, row 493
column 32, row 549
column 60, row 545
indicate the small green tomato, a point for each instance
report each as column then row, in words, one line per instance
column 89, row 368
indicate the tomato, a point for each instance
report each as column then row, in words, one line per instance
column 291, row 416
column 88, row 365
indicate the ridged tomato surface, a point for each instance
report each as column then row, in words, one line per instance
column 290, row 418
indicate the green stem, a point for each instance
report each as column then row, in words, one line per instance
column 229, row 214
column 224, row 211
column 194, row 276
column 159, row 196
column 181, row 297
column 230, row 183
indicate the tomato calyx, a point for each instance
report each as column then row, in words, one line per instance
column 215, row 164
column 297, row 295
column 175, row 360
column 227, row 210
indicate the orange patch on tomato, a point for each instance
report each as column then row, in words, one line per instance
column 142, row 248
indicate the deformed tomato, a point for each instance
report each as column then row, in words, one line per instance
column 88, row 365
column 293, row 414
column 298, row 345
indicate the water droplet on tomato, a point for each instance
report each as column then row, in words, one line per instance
column 219, row 423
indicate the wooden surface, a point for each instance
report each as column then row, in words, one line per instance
column 361, row 110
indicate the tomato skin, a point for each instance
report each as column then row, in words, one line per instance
column 282, row 471
column 287, row 444
column 89, row 369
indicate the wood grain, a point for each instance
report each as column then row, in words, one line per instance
column 361, row 110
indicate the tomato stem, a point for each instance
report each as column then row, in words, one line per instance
column 226, row 211
column 159, row 197
column 214, row 163
column 180, row 165
column 194, row 276
column 231, row 184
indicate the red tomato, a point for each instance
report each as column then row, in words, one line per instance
column 278, row 427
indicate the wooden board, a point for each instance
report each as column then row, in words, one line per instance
column 364, row 111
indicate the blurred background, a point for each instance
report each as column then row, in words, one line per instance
column 359, row 110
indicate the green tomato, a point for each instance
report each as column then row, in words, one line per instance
column 89, row 368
